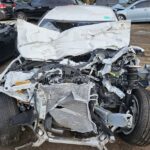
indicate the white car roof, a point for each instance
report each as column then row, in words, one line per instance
column 81, row 13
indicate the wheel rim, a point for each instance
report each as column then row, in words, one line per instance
column 134, row 110
column 121, row 17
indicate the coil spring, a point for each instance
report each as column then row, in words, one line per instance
column 132, row 76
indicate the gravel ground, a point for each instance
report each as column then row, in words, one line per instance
column 140, row 37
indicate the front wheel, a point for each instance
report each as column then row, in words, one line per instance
column 8, row 108
column 121, row 17
column 139, row 134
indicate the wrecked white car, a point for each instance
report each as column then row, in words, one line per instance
column 75, row 81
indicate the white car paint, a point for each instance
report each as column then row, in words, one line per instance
column 41, row 44
column 81, row 13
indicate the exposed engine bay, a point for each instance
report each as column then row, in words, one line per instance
column 81, row 99
column 72, row 95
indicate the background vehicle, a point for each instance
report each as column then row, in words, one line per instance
column 35, row 9
column 6, row 9
column 136, row 12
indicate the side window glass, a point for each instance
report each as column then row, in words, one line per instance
column 148, row 4
column 142, row 5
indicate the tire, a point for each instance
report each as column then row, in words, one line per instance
column 121, row 17
column 140, row 134
column 21, row 15
column 8, row 36
column 7, row 51
column 8, row 133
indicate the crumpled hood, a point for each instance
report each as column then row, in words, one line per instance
column 40, row 44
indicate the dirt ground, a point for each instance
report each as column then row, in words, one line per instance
column 141, row 37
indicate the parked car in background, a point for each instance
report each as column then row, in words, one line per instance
column 6, row 9
column 136, row 12
column 35, row 9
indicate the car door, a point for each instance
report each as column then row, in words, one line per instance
column 138, row 12
column 148, row 11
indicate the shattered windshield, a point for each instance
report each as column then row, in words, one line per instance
column 62, row 26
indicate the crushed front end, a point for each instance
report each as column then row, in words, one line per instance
column 82, row 99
